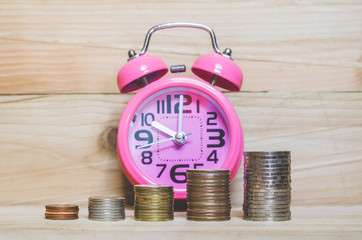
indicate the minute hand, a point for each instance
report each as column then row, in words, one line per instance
column 180, row 113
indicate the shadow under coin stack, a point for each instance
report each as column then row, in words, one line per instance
column 267, row 186
column 61, row 211
column 208, row 195
column 153, row 202
column 106, row 208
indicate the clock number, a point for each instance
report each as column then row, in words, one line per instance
column 173, row 173
column 138, row 137
column 213, row 157
column 220, row 138
column 162, row 170
column 145, row 119
column 146, row 157
column 214, row 116
column 160, row 106
column 197, row 106
column 168, row 103
column 198, row 165
column 188, row 102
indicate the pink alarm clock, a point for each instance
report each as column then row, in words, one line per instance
column 177, row 123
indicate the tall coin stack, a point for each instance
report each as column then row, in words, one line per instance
column 106, row 208
column 208, row 195
column 267, row 186
column 153, row 202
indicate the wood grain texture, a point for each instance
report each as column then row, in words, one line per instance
column 307, row 223
column 78, row 46
column 56, row 148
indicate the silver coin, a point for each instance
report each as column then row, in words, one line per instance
column 273, row 219
column 267, row 169
column 265, row 214
column 276, row 215
column 106, row 219
column 264, row 207
column 267, row 182
column 266, row 210
column 255, row 164
column 266, row 202
column 267, row 153
column 267, row 198
column 267, row 176
column 267, row 158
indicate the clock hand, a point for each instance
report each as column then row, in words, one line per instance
column 163, row 129
column 180, row 113
column 164, row 140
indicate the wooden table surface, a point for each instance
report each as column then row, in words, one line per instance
column 307, row 223
column 60, row 107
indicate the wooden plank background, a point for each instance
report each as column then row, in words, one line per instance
column 60, row 106
column 78, row 46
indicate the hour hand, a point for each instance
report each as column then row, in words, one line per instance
column 163, row 129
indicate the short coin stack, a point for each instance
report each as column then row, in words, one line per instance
column 61, row 211
column 208, row 195
column 106, row 208
column 153, row 202
column 267, row 186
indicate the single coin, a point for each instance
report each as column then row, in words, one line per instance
column 267, row 153
column 266, row 202
column 274, row 219
column 273, row 198
column 267, row 158
column 267, row 182
column 62, row 217
column 267, row 214
column 62, row 207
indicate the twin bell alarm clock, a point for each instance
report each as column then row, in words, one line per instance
column 177, row 123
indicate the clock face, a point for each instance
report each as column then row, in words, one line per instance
column 164, row 142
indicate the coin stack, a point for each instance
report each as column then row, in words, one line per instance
column 267, row 186
column 106, row 208
column 153, row 202
column 208, row 195
column 61, row 211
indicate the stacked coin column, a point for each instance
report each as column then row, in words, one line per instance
column 267, row 186
column 208, row 195
column 153, row 202
column 106, row 208
column 61, row 211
